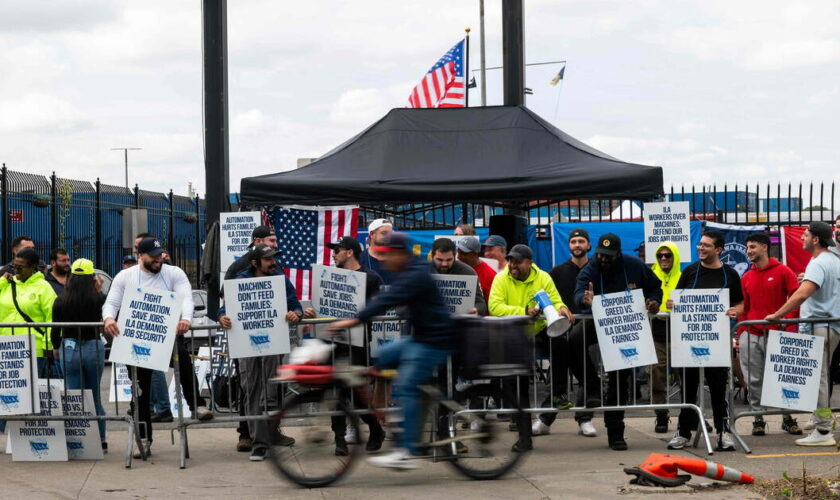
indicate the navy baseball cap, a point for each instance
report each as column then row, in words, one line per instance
column 263, row 251
column 609, row 244
column 520, row 252
column 347, row 243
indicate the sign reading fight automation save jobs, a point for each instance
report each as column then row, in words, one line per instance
column 147, row 322
column 339, row 293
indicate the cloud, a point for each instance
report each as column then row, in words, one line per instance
column 35, row 112
column 364, row 106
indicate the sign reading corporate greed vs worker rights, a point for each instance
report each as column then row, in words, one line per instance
column 257, row 311
column 700, row 328
column 667, row 221
column 147, row 321
column 18, row 378
column 792, row 369
column 339, row 293
column 623, row 329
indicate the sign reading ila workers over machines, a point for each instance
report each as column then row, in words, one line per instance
column 257, row 311
column 18, row 377
column 147, row 321
column 667, row 221
column 623, row 329
column 700, row 328
column 339, row 293
column 458, row 291
column 792, row 369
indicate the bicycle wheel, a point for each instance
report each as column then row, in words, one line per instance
column 488, row 442
column 311, row 460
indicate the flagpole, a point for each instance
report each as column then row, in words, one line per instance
column 467, row 69
column 481, row 51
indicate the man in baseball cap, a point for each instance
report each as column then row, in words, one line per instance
column 261, row 235
column 469, row 251
column 609, row 272
column 818, row 297
column 565, row 277
column 378, row 231
column 495, row 247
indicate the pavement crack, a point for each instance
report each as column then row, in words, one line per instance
column 82, row 487
column 532, row 484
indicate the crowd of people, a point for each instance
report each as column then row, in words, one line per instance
column 507, row 280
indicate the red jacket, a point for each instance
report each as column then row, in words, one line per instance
column 765, row 291
column 486, row 274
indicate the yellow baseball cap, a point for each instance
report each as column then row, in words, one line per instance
column 82, row 267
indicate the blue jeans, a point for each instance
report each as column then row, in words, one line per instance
column 84, row 361
column 159, row 400
column 416, row 363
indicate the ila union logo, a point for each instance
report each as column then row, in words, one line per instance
column 141, row 352
column 260, row 341
column 629, row 354
column 790, row 395
column 9, row 401
column 39, row 448
column 701, row 352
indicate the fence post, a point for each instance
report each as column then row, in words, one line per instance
column 170, row 245
column 98, row 226
column 198, row 223
column 54, row 243
column 136, row 196
column 5, row 248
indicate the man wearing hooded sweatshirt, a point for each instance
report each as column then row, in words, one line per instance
column 609, row 272
column 667, row 269
column 767, row 285
column 512, row 294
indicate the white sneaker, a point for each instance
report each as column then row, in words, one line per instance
column 398, row 459
column 677, row 442
column 539, row 428
column 202, row 413
column 817, row 438
column 727, row 442
column 587, row 429
column 350, row 436
column 812, row 423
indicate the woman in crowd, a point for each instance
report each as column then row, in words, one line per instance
column 81, row 351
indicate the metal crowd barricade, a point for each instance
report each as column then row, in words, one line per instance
column 133, row 424
column 756, row 410
column 632, row 401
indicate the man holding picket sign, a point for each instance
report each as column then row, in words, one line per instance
column 708, row 273
column 257, row 370
column 610, row 272
column 818, row 297
column 767, row 285
column 152, row 275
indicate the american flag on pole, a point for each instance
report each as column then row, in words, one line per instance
column 443, row 85
column 303, row 234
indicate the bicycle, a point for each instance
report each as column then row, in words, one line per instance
column 472, row 441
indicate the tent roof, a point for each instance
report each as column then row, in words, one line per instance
column 485, row 154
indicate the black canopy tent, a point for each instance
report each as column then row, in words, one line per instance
column 484, row 154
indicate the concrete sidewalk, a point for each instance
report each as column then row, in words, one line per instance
column 563, row 465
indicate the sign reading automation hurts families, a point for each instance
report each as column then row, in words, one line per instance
column 700, row 328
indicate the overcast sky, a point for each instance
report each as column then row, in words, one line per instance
column 712, row 91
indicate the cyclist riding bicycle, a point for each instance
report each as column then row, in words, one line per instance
column 417, row 356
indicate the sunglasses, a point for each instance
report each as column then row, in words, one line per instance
column 664, row 256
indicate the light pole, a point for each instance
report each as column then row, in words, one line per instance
column 126, row 150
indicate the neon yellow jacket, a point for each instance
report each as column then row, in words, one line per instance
column 35, row 297
column 510, row 297
column 670, row 279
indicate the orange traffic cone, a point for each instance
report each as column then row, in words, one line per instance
column 713, row 470
column 660, row 469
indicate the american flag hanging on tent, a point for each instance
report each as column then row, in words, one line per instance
column 302, row 236
column 443, row 85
